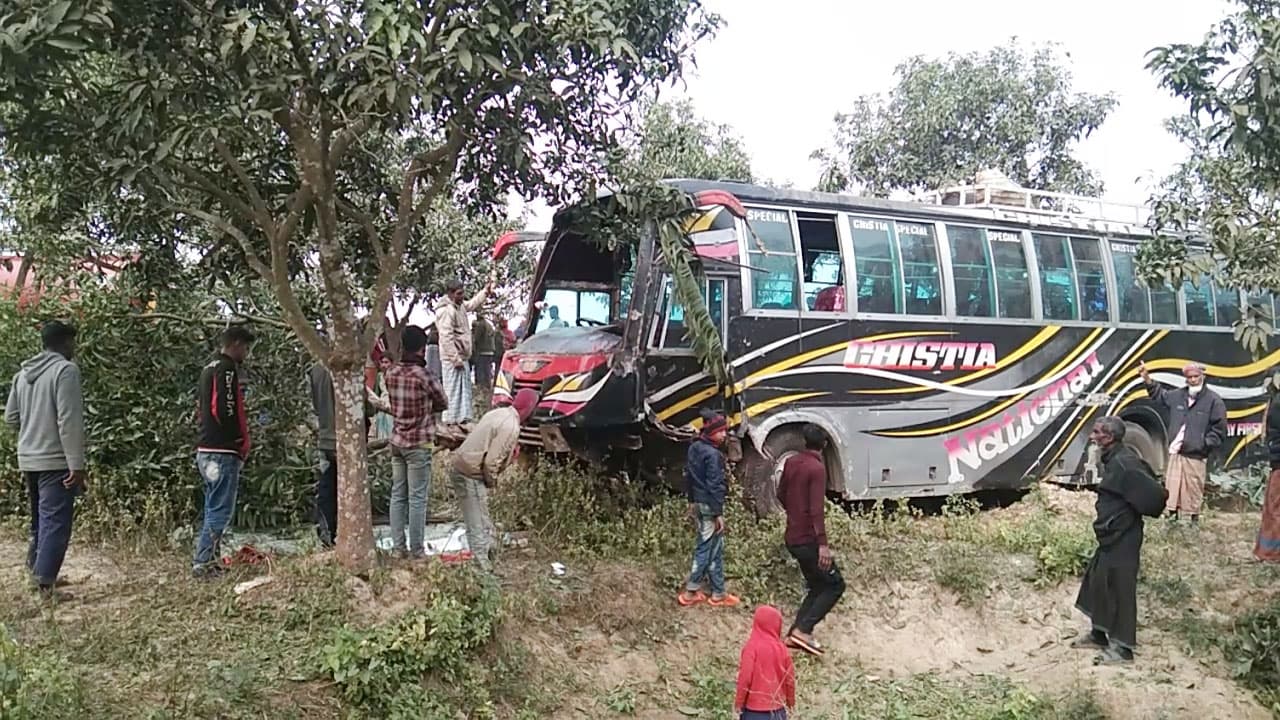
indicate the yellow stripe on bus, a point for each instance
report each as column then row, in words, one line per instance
column 1240, row 446
column 761, row 407
column 1026, row 349
column 786, row 364
column 926, row 432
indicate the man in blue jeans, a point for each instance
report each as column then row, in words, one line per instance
column 224, row 445
column 47, row 408
column 415, row 396
column 706, row 487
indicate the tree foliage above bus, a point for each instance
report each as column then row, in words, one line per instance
column 1226, row 191
column 948, row 119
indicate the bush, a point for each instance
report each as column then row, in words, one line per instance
column 382, row 670
column 1253, row 647
column 1061, row 550
column 36, row 688
column 140, row 374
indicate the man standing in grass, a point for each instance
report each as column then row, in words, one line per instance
column 705, row 484
column 416, row 397
column 1198, row 425
column 802, row 490
column 1109, row 592
column 46, row 407
column 224, row 445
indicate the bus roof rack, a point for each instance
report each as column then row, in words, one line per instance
column 994, row 191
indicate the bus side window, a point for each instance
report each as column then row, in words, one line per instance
column 1091, row 277
column 1013, row 280
column 671, row 330
column 971, row 272
column 1228, row 305
column 922, row 278
column 822, row 268
column 1135, row 304
column 1164, row 306
column 1198, row 302
column 1057, row 281
column 876, row 266
column 773, row 275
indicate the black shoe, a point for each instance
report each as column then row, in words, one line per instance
column 1114, row 656
column 49, row 593
column 1090, row 641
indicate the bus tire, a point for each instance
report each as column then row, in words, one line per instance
column 760, row 475
column 1141, row 442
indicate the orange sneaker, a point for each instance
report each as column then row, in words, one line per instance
column 727, row 601
column 689, row 599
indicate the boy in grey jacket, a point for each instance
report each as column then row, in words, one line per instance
column 47, row 409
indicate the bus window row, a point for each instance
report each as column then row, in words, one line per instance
column 796, row 264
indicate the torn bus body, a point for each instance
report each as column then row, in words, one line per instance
column 591, row 323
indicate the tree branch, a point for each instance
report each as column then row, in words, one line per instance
column 203, row 182
column 441, row 162
column 251, row 257
column 262, row 215
column 366, row 221
column 207, row 321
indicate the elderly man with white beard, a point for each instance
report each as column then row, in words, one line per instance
column 1197, row 424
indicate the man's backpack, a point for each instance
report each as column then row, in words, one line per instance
column 1149, row 495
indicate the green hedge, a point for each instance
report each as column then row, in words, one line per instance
column 140, row 375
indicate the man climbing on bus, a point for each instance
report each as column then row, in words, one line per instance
column 802, row 490
column 1198, row 424
column 705, row 485
column 1109, row 592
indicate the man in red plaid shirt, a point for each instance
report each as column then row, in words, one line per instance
column 415, row 396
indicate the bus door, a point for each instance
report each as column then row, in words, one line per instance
column 671, row 360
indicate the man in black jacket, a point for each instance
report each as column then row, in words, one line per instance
column 1197, row 426
column 224, row 445
column 1109, row 591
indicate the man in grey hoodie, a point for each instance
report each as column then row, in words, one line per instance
column 47, row 409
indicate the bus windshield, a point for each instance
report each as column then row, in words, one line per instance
column 566, row 307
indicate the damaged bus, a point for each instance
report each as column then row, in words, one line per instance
column 948, row 346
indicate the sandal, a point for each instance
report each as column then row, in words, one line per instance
column 688, row 599
column 813, row 647
column 726, row 601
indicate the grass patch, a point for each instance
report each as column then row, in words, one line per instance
column 37, row 686
column 931, row 696
column 964, row 570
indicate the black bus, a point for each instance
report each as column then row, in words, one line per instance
column 945, row 347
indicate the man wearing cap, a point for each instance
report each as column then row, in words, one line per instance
column 478, row 462
column 705, row 485
column 1197, row 426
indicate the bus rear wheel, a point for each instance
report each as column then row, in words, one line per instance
column 1142, row 443
column 760, row 474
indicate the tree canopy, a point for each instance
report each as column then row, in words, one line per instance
column 321, row 133
column 1227, row 192
column 948, row 119
column 673, row 141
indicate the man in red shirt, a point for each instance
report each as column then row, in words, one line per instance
column 803, row 493
column 415, row 396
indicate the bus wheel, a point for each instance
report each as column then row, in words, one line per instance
column 1140, row 440
column 760, row 475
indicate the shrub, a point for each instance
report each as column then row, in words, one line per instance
column 1253, row 647
column 36, row 688
column 382, row 670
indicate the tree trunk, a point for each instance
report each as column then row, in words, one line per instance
column 355, row 545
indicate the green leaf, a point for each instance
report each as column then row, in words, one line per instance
column 246, row 40
column 69, row 44
column 464, row 57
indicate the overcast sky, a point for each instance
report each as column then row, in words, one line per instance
column 778, row 72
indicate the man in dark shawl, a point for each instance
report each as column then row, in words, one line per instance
column 1109, row 592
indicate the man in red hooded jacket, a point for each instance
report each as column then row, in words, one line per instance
column 766, row 675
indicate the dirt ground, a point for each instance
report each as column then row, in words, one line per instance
column 621, row 631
